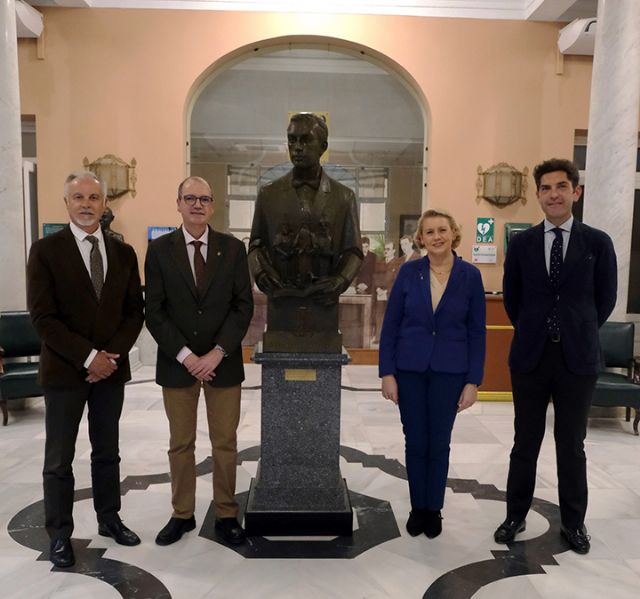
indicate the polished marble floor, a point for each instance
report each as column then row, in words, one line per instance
column 381, row 561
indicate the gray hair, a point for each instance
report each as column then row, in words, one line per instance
column 84, row 175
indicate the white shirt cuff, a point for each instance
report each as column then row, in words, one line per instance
column 91, row 356
column 183, row 353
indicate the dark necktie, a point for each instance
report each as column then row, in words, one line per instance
column 198, row 264
column 95, row 265
column 555, row 268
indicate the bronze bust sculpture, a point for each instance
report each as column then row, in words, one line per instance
column 105, row 224
column 305, row 243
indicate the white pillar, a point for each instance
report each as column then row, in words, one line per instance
column 613, row 132
column 12, row 236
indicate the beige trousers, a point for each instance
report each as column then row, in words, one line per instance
column 223, row 415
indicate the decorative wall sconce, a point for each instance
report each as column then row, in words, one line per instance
column 119, row 176
column 502, row 184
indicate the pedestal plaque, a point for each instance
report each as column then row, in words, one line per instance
column 298, row 489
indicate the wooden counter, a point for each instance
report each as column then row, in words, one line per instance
column 497, row 382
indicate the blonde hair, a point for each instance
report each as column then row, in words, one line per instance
column 436, row 213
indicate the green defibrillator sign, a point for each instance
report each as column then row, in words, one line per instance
column 485, row 230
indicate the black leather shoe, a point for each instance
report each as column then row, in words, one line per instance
column 432, row 523
column 578, row 539
column 507, row 531
column 61, row 553
column 119, row 533
column 231, row 531
column 174, row 530
column 415, row 523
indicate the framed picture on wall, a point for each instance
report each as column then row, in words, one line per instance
column 155, row 232
column 49, row 228
column 511, row 229
column 408, row 224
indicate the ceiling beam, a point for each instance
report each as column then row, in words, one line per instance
column 547, row 10
column 65, row 3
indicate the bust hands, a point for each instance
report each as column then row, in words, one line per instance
column 327, row 290
column 268, row 280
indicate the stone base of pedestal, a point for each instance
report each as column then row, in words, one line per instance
column 298, row 489
column 296, row 512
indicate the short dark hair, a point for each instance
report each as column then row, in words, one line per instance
column 365, row 240
column 557, row 164
column 316, row 122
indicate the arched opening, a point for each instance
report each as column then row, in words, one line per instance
column 377, row 129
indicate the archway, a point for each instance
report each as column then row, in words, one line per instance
column 237, row 120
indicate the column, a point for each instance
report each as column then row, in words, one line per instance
column 12, row 237
column 613, row 132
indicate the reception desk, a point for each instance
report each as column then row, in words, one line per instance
column 497, row 382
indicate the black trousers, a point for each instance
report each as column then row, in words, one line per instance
column 571, row 395
column 64, row 408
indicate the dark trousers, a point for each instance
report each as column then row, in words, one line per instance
column 428, row 403
column 64, row 408
column 571, row 395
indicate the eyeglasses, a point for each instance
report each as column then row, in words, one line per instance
column 191, row 200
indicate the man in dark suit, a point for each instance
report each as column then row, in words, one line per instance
column 199, row 305
column 560, row 283
column 83, row 292
column 364, row 279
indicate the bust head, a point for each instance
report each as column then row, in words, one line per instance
column 307, row 136
column 107, row 218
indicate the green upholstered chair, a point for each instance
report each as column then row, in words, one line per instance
column 614, row 389
column 18, row 339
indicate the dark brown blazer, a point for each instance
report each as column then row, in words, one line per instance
column 67, row 314
column 178, row 316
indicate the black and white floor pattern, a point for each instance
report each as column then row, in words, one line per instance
column 380, row 561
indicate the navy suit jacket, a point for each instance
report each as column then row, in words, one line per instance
column 451, row 340
column 586, row 295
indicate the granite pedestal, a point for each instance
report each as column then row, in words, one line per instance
column 298, row 489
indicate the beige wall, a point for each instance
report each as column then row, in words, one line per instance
column 119, row 81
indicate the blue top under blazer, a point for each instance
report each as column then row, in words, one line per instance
column 452, row 340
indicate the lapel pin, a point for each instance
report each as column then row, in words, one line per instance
column 219, row 253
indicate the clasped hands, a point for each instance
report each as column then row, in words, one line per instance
column 203, row 367
column 102, row 366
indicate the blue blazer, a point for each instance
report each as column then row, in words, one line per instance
column 451, row 340
column 586, row 295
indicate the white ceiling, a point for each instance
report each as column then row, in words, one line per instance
column 534, row 10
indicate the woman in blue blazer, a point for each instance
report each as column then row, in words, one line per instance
column 432, row 350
